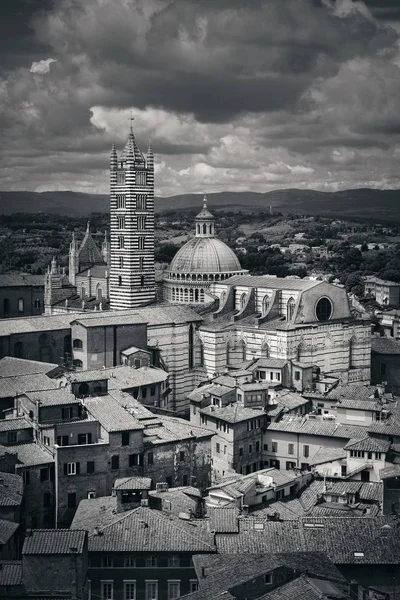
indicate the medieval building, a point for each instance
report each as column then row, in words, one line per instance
column 132, row 278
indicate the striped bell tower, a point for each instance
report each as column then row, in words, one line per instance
column 132, row 281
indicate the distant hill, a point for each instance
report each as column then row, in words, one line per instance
column 382, row 205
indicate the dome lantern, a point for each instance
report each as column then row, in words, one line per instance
column 205, row 222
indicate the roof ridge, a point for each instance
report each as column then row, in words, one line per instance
column 124, row 516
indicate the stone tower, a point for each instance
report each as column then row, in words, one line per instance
column 132, row 280
column 73, row 260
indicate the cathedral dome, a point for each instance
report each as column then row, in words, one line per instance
column 205, row 255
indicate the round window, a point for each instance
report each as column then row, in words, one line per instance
column 324, row 309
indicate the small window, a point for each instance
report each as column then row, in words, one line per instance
column 181, row 456
column 129, row 590
column 120, row 177
column 173, row 560
column 265, row 447
column 151, row 590
column 46, row 499
column 290, row 448
column 90, row 466
column 240, row 451
column 297, row 375
column 151, row 561
column 274, row 446
column 125, row 438
column 134, row 460
column 115, row 462
column 37, row 303
column 12, row 437
column 152, row 390
column 250, row 448
column 26, row 477
column 306, row 451
column 119, row 280
column 268, row 579
column 107, row 590
column 71, row 468
column 144, row 392
column 194, row 585
column 121, row 242
column 174, row 590
column 107, row 561
column 78, row 364
column 91, row 494
column 129, row 561
column 21, row 306
column 71, row 500
column 77, row 344
column 217, row 448
column 149, row 458
column 44, row 474
column 120, row 262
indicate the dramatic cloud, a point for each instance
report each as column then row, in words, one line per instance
column 234, row 95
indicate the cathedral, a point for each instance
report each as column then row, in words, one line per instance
column 239, row 317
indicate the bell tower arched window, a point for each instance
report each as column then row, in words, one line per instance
column 290, row 309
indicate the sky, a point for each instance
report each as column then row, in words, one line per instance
column 234, row 94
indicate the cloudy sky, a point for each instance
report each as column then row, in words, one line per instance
column 234, row 94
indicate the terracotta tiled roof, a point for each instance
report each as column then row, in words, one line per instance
column 390, row 471
column 356, row 541
column 146, row 530
column 11, row 489
column 223, row 520
column 111, row 415
column 324, row 455
column 11, row 366
column 384, row 345
column 56, row 397
column 368, row 444
column 21, row 280
column 132, row 483
column 14, row 424
column 54, row 541
column 7, row 530
column 307, row 587
column 10, row 572
column 274, row 283
column 95, row 512
column 33, row 454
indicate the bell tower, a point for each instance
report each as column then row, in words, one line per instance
column 132, row 278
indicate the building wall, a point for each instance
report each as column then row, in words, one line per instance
column 386, row 367
column 163, row 573
column 349, row 416
column 38, row 512
column 44, row 346
column 28, row 294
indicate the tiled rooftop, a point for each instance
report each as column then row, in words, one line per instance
column 360, row 541
column 356, row 404
column 21, row 280
column 307, row 587
column 146, row 530
column 368, row 444
column 56, row 397
column 288, row 509
column 389, row 427
column 176, row 500
column 273, row 283
column 174, row 428
column 11, row 366
column 12, row 386
column 390, row 471
column 223, row 520
column 30, row 455
column 14, row 424
column 95, row 512
column 324, row 455
column 132, row 483
column 7, row 530
column 54, row 541
column 233, row 413
column 111, row 415
column 384, row 345
column 11, row 489
column 266, row 363
column 10, row 572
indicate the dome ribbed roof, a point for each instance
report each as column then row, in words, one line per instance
column 205, row 255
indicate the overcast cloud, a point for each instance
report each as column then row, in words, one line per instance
column 234, row 95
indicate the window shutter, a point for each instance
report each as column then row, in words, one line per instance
column 78, row 468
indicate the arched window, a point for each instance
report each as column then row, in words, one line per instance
column 142, row 281
column 265, row 304
column 222, row 298
column 191, row 295
column 46, row 354
column 19, row 350
column 78, row 364
column 227, row 353
column 290, row 309
column 204, row 228
column 186, row 294
column 120, row 280
column 201, row 295
column 21, row 306
column 196, row 295
column 77, row 343
column 6, row 307
column 83, row 292
column 83, row 389
column 141, row 263
column 242, row 347
column 243, row 300
column 198, row 228
column 99, row 292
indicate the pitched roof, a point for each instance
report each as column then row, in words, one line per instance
column 11, row 489
column 368, row 444
column 111, row 415
column 172, row 429
column 146, row 530
column 357, row 404
column 110, row 319
column 389, row 472
column 176, row 500
column 10, row 572
column 266, row 363
column 324, row 455
column 54, row 541
column 345, row 541
column 56, row 397
column 371, row 491
column 88, row 252
column 287, row 508
column 15, row 424
column 7, row 530
column 11, row 366
column 233, row 413
column 307, row 587
column 95, row 512
column 31, row 455
column 384, row 345
column 388, row 427
column 132, row 483
column 351, row 391
column 12, row 386
column 21, row 280
column 223, row 520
